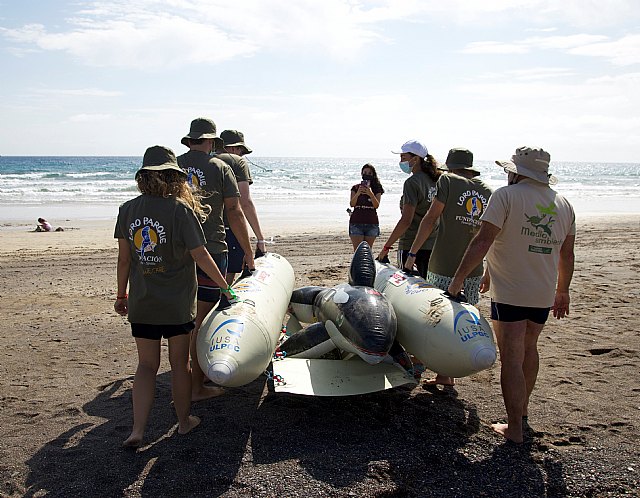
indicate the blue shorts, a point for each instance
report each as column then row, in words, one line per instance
column 364, row 229
column 157, row 332
column 236, row 254
column 208, row 290
column 509, row 313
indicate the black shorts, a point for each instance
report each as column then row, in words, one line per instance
column 157, row 332
column 236, row 254
column 509, row 313
column 422, row 260
column 208, row 290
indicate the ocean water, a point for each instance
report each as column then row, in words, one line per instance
column 286, row 189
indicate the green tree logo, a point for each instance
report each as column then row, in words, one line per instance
column 544, row 219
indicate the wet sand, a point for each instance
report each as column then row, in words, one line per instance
column 68, row 362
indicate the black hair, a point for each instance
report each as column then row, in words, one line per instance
column 376, row 181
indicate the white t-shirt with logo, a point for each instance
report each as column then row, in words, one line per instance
column 534, row 221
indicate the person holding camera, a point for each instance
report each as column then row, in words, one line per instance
column 365, row 199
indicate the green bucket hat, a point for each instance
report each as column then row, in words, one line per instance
column 159, row 158
column 234, row 138
column 202, row 128
column 460, row 159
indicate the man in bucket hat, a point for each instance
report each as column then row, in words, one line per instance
column 528, row 235
column 460, row 199
column 232, row 152
column 216, row 178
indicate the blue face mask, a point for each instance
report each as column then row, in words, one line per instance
column 405, row 167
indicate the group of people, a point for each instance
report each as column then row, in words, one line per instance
column 451, row 220
column 196, row 207
column 192, row 208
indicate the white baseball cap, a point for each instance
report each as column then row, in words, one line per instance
column 413, row 147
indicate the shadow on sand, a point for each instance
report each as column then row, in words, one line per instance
column 395, row 443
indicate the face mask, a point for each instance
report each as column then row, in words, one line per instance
column 405, row 167
column 367, row 177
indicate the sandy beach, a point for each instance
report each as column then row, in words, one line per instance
column 68, row 362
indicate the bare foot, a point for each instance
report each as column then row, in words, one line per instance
column 440, row 380
column 206, row 392
column 192, row 423
column 503, row 429
column 133, row 441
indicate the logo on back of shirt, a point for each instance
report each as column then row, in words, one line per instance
column 473, row 203
column 146, row 234
column 195, row 177
column 541, row 228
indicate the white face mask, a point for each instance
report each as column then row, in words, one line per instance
column 405, row 166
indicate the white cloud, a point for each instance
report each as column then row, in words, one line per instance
column 89, row 118
column 157, row 33
column 79, row 92
column 623, row 52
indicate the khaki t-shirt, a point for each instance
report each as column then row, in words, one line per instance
column 419, row 190
column 162, row 279
column 241, row 170
column 523, row 260
column 464, row 199
column 216, row 178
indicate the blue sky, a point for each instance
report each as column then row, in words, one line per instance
column 336, row 78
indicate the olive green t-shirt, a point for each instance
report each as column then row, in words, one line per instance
column 419, row 190
column 216, row 178
column 241, row 170
column 464, row 199
column 162, row 278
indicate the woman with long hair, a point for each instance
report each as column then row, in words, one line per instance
column 417, row 193
column 160, row 240
column 365, row 199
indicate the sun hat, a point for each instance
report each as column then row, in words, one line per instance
column 202, row 128
column 159, row 158
column 234, row 138
column 532, row 162
column 460, row 159
column 413, row 147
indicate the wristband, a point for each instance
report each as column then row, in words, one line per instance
column 388, row 248
column 231, row 293
column 262, row 242
column 411, row 254
column 123, row 297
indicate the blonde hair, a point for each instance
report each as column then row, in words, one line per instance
column 171, row 183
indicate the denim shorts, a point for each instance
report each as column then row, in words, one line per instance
column 364, row 229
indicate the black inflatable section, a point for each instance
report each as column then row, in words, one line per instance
column 306, row 295
column 367, row 320
column 304, row 339
column 363, row 268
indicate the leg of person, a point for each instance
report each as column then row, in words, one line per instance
column 199, row 391
column 144, row 386
column 511, row 338
column 235, row 256
column 356, row 234
column 370, row 240
column 422, row 262
column 356, row 240
column 208, row 296
column 371, row 233
column 181, row 382
column 531, row 362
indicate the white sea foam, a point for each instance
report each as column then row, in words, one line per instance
column 294, row 189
